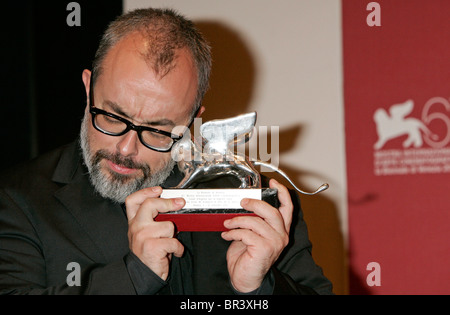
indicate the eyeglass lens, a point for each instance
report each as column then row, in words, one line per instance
column 115, row 127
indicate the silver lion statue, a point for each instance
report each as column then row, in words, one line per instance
column 213, row 155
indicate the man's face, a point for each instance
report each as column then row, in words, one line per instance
column 128, row 87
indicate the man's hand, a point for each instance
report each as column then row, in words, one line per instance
column 257, row 241
column 152, row 242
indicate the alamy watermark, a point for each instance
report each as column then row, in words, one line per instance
column 373, row 279
column 374, row 17
column 74, row 17
column 73, row 279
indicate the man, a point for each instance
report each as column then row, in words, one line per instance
column 93, row 205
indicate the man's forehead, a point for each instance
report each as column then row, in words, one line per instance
column 160, row 57
column 130, row 86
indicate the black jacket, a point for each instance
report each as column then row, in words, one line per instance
column 50, row 216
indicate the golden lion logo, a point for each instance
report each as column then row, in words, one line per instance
column 395, row 124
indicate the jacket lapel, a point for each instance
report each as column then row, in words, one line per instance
column 104, row 222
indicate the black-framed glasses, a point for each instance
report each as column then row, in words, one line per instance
column 113, row 125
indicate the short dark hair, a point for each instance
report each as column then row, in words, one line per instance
column 167, row 31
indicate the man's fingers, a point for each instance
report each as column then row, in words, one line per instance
column 153, row 242
column 265, row 211
column 256, row 224
column 163, row 247
column 269, row 219
column 148, row 198
column 156, row 254
column 174, row 247
column 134, row 201
column 139, row 233
column 286, row 206
column 247, row 237
column 150, row 208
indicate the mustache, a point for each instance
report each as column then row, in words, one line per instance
column 118, row 159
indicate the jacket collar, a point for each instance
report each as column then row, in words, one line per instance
column 69, row 163
column 103, row 221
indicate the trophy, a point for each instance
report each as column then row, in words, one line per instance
column 213, row 156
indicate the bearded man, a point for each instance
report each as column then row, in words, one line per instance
column 93, row 203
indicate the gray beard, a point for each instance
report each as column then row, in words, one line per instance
column 114, row 186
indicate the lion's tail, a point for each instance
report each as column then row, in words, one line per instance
column 428, row 132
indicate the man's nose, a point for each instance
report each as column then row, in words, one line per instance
column 128, row 144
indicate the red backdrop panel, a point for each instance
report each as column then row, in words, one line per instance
column 397, row 114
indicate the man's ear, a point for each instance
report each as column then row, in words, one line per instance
column 86, row 77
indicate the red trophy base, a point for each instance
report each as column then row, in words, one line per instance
column 199, row 222
column 205, row 211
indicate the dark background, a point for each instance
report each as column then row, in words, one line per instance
column 42, row 95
